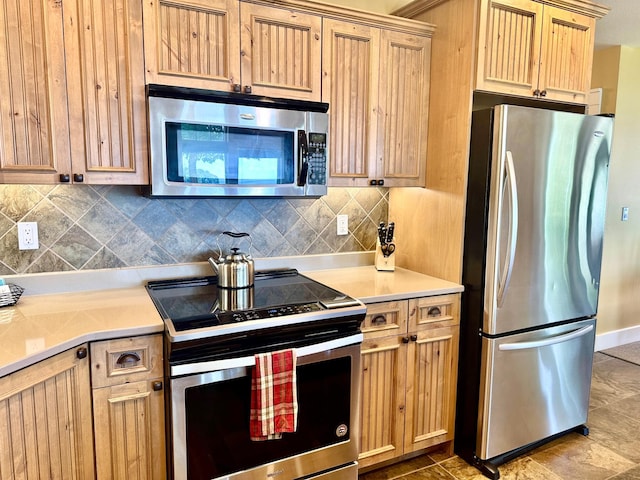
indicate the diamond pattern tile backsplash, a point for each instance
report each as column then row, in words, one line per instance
column 86, row 227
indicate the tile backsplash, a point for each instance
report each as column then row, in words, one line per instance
column 86, row 227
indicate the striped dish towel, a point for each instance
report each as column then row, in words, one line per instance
column 274, row 403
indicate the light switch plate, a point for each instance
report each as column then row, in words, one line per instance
column 343, row 225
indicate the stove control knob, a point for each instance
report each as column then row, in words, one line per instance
column 342, row 430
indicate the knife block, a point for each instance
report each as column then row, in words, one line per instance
column 384, row 264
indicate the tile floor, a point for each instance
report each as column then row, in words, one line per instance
column 610, row 452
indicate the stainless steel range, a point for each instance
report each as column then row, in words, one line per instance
column 212, row 337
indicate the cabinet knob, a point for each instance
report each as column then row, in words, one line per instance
column 373, row 183
column 236, row 87
column 128, row 359
column 414, row 338
column 380, row 183
column 78, row 177
column 405, row 339
column 82, row 352
column 65, row 178
column 156, row 386
column 247, row 89
column 543, row 93
column 379, row 320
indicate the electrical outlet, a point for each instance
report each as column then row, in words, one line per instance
column 28, row 235
column 343, row 225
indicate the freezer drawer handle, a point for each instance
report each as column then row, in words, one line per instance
column 549, row 341
column 513, row 228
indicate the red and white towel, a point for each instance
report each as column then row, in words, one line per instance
column 274, row 402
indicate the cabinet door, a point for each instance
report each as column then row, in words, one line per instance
column 280, row 52
column 566, row 55
column 432, row 363
column 45, row 420
column 509, row 46
column 105, row 75
column 403, row 109
column 129, row 431
column 382, row 410
column 350, row 86
column 192, row 44
column 34, row 126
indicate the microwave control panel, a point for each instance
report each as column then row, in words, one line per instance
column 317, row 159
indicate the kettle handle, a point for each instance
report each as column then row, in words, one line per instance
column 234, row 235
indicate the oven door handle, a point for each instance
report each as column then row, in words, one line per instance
column 229, row 363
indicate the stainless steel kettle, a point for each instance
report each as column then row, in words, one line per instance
column 236, row 270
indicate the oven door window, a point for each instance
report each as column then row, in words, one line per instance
column 217, row 420
column 215, row 154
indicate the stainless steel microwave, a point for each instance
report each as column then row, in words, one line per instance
column 204, row 143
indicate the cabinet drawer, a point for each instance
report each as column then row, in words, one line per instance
column 387, row 318
column 126, row 360
column 434, row 312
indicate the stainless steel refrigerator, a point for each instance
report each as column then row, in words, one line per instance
column 531, row 270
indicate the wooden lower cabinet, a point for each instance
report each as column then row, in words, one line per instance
column 408, row 376
column 45, row 420
column 128, row 408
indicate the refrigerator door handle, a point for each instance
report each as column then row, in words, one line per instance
column 549, row 341
column 513, row 227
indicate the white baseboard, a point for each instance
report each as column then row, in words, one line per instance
column 617, row 338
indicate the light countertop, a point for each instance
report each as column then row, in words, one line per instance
column 40, row 326
column 370, row 286
column 63, row 310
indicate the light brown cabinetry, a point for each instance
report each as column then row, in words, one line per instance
column 409, row 362
column 128, row 405
column 73, row 88
column 440, row 208
column 234, row 46
column 45, row 419
column 376, row 82
column 531, row 48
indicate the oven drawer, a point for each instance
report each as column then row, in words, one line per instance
column 124, row 360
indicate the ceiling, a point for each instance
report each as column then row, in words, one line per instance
column 621, row 26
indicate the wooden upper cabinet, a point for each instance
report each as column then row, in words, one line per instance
column 107, row 106
column 532, row 49
column 376, row 82
column 73, row 89
column 34, row 126
column 350, row 87
column 509, row 49
column 222, row 44
column 280, row 52
column 192, row 44
column 566, row 55
column 403, row 109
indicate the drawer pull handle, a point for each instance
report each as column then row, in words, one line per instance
column 434, row 312
column 379, row 320
column 156, row 386
column 128, row 359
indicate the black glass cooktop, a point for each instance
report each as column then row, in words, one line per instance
column 197, row 303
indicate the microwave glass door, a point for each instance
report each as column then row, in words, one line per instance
column 224, row 155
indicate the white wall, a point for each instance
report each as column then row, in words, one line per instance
column 617, row 70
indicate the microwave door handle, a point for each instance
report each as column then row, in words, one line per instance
column 303, row 154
